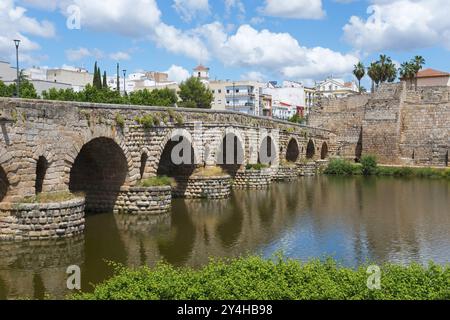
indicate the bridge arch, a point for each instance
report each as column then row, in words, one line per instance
column 324, row 151
column 268, row 150
column 143, row 164
column 99, row 171
column 292, row 151
column 178, row 158
column 4, row 184
column 310, row 149
column 42, row 166
column 231, row 151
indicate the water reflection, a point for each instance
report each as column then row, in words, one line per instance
column 352, row 219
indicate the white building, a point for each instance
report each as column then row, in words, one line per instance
column 337, row 88
column 201, row 72
column 139, row 81
column 78, row 78
column 287, row 100
column 7, row 73
column 241, row 96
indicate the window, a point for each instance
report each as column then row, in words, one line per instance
column 219, row 91
column 228, row 91
column 199, row 74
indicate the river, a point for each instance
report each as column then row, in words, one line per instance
column 353, row 219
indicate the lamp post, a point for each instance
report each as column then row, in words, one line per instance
column 124, row 81
column 17, row 43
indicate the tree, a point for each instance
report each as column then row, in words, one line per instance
column 194, row 94
column 296, row 118
column 105, row 83
column 374, row 72
column 27, row 89
column 408, row 72
column 418, row 62
column 359, row 71
column 158, row 97
column 94, row 81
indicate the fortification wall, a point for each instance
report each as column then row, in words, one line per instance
column 398, row 125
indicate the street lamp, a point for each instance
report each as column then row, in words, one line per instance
column 17, row 43
column 124, row 81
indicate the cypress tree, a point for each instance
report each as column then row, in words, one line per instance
column 94, row 81
column 118, row 78
column 105, row 84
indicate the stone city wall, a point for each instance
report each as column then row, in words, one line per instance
column 399, row 125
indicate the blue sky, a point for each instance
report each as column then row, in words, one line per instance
column 302, row 40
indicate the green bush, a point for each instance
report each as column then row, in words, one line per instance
column 257, row 166
column 342, row 167
column 147, row 121
column 369, row 165
column 254, row 278
column 157, row 182
column 120, row 120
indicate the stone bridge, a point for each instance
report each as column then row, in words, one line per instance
column 97, row 149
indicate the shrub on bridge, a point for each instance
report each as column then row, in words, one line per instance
column 160, row 181
column 254, row 278
column 257, row 166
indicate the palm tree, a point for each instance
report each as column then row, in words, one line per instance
column 359, row 71
column 418, row 63
column 374, row 72
column 408, row 71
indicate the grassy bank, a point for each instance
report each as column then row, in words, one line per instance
column 369, row 167
column 257, row 278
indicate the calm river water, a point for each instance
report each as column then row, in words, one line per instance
column 354, row 220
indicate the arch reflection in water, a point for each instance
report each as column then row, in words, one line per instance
column 34, row 269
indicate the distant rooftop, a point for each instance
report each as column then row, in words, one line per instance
column 432, row 73
column 201, row 68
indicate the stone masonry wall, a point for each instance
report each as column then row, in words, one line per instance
column 41, row 221
column 398, row 125
column 196, row 187
column 144, row 200
column 253, row 179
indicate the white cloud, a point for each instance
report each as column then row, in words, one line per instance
column 180, row 42
column 254, row 76
column 188, row 9
column 81, row 53
column 293, row 9
column 177, row 73
column 15, row 23
column 275, row 53
column 127, row 17
column 401, row 25
column 120, row 56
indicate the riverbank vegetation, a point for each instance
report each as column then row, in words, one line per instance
column 254, row 278
column 369, row 167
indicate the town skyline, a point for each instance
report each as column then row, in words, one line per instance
column 268, row 41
